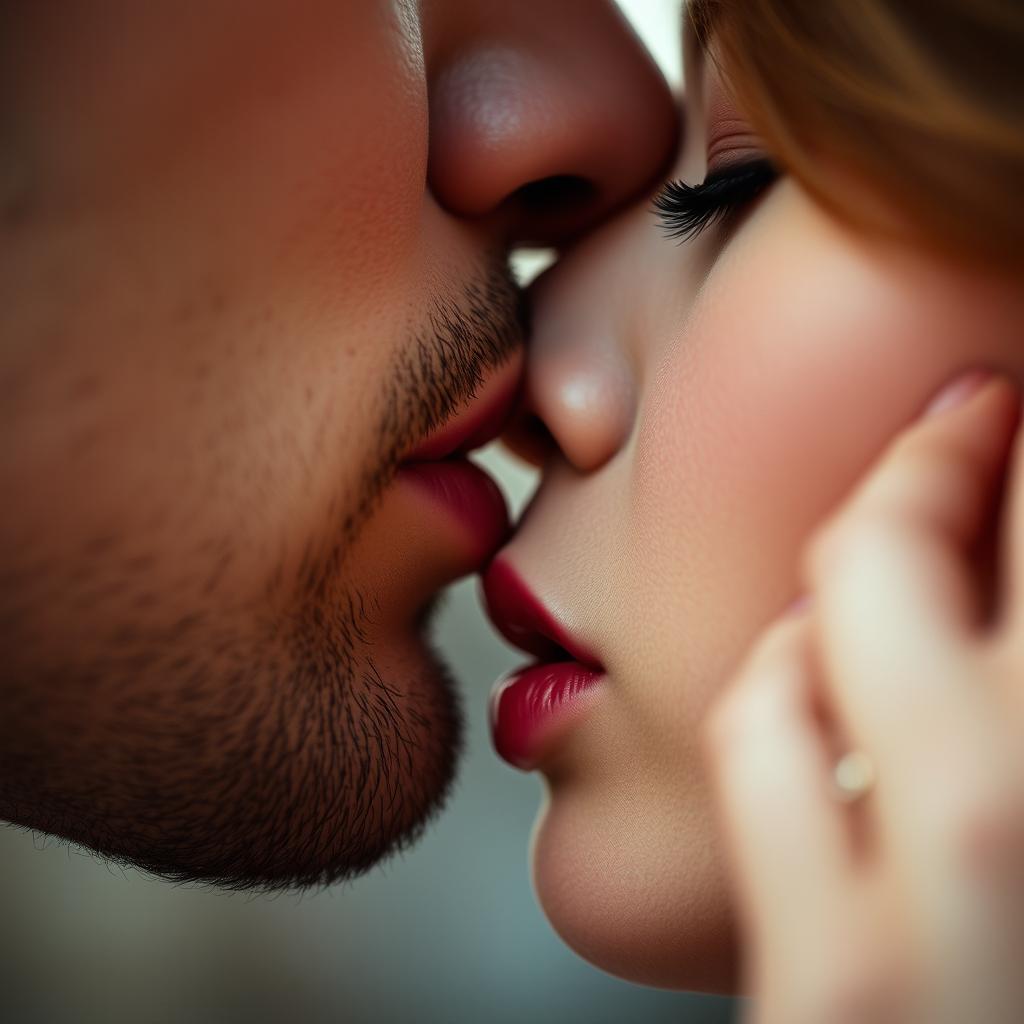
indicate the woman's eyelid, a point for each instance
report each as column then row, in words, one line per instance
column 735, row 156
column 732, row 142
column 730, row 138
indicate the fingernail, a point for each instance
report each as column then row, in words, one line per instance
column 958, row 391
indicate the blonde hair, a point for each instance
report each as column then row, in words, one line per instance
column 922, row 100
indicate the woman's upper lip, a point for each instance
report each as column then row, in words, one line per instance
column 525, row 622
column 480, row 421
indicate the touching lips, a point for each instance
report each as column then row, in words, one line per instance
column 438, row 467
column 531, row 706
column 470, row 496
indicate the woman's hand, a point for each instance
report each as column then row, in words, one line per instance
column 906, row 904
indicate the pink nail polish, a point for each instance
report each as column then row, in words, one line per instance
column 958, row 391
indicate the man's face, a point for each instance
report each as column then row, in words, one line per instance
column 250, row 257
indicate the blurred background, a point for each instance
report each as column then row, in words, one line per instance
column 449, row 933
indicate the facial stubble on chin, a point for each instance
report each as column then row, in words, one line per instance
column 283, row 758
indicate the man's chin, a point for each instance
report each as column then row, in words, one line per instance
column 393, row 747
column 375, row 732
column 326, row 755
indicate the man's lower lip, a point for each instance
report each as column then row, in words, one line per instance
column 530, row 707
column 469, row 495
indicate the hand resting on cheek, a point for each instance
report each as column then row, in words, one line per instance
column 905, row 903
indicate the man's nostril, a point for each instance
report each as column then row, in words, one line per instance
column 549, row 211
column 559, row 194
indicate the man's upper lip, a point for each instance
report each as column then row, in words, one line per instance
column 524, row 621
column 480, row 421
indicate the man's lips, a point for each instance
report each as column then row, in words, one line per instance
column 469, row 499
column 480, row 422
column 465, row 507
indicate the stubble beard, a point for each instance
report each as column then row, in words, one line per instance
column 266, row 751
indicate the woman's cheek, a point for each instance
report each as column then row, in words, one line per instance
column 804, row 353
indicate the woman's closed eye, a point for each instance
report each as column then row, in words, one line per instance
column 684, row 211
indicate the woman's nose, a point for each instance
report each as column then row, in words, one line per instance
column 580, row 394
column 544, row 117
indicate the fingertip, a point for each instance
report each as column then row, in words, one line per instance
column 983, row 425
column 957, row 392
column 976, row 390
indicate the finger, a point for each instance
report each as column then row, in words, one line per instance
column 892, row 580
column 929, row 498
column 786, row 838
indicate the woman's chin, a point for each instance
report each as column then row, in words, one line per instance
column 647, row 906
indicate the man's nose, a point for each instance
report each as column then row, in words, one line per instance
column 544, row 117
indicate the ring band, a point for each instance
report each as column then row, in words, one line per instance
column 853, row 776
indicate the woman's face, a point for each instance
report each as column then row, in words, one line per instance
column 709, row 402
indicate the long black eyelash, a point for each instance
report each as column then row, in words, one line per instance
column 684, row 211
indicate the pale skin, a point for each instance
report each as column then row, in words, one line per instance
column 907, row 905
column 708, row 405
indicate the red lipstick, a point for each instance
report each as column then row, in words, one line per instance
column 527, row 704
column 523, row 621
column 532, row 706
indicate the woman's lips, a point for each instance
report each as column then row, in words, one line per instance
column 531, row 706
column 526, row 705
column 523, row 621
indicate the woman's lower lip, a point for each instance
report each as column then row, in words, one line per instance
column 531, row 706
column 473, row 500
